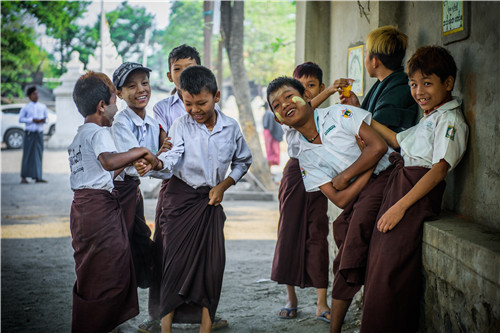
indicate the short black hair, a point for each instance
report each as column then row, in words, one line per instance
column 433, row 60
column 183, row 51
column 90, row 89
column 283, row 81
column 308, row 69
column 196, row 78
column 30, row 90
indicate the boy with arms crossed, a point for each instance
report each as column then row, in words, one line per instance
column 301, row 255
column 429, row 151
column 105, row 292
column 205, row 144
column 330, row 159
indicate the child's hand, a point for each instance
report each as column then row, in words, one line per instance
column 339, row 84
column 351, row 100
column 361, row 143
column 166, row 146
column 390, row 218
column 142, row 166
column 216, row 195
column 339, row 182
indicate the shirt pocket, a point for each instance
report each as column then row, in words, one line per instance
column 225, row 151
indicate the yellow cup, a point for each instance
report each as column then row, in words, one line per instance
column 346, row 90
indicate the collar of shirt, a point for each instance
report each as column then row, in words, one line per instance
column 175, row 99
column 138, row 121
column 451, row 105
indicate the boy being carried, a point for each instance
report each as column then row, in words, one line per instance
column 301, row 255
column 330, row 159
column 429, row 151
column 105, row 292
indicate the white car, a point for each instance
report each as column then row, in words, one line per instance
column 13, row 130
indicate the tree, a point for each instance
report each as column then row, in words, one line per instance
column 269, row 48
column 232, row 18
column 128, row 27
column 21, row 57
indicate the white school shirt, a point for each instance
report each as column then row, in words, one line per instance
column 129, row 131
column 169, row 109
column 86, row 171
column 201, row 157
column 291, row 140
column 442, row 134
column 337, row 126
column 29, row 112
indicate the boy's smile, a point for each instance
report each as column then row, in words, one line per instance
column 201, row 107
column 288, row 105
column 428, row 90
column 136, row 91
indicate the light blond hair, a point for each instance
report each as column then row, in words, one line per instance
column 388, row 44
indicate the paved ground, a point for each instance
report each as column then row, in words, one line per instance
column 38, row 269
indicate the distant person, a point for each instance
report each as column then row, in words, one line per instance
column 133, row 127
column 273, row 135
column 105, row 291
column 34, row 115
column 429, row 151
column 389, row 99
column 301, row 256
column 205, row 144
column 166, row 112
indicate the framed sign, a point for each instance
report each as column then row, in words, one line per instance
column 355, row 68
column 455, row 21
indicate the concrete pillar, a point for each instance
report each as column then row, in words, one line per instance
column 68, row 117
column 313, row 39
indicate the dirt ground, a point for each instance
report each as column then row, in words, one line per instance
column 37, row 265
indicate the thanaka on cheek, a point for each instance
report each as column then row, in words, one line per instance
column 298, row 100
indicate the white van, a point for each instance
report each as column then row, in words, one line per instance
column 13, row 130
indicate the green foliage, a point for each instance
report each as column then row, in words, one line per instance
column 128, row 27
column 269, row 39
column 185, row 27
column 22, row 59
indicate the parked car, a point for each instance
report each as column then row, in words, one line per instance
column 13, row 130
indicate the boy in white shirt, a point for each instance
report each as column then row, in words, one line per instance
column 429, row 150
column 105, row 292
column 205, row 144
column 331, row 161
column 133, row 127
